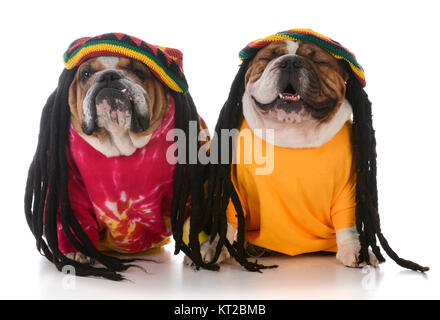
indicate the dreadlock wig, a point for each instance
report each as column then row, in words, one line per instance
column 52, row 196
column 223, row 193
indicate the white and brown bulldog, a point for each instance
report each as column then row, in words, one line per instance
column 116, row 103
column 103, row 164
column 296, row 89
column 292, row 102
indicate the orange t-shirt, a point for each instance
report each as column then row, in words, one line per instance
column 299, row 206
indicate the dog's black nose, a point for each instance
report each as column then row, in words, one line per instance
column 291, row 63
column 109, row 76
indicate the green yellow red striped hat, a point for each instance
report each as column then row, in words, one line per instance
column 308, row 35
column 165, row 63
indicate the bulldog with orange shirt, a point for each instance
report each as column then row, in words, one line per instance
column 321, row 195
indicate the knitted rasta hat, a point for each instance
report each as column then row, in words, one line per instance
column 165, row 63
column 308, row 35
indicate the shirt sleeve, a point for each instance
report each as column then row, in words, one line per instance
column 344, row 206
column 82, row 208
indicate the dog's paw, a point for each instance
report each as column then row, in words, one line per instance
column 79, row 257
column 348, row 255
column 207, row 251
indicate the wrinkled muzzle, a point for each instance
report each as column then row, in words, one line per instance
column 114, row 103
column 299, row 86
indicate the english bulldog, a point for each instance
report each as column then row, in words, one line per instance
column 104, row 139
column 115, row 104
column 303, row 88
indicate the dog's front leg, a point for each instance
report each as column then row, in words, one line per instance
column 207, row 249
column 347, row 240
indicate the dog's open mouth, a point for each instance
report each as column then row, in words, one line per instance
column 288, row 100
column 114, row 99
column 114, row 107
column 289, row 95
column 288, row 106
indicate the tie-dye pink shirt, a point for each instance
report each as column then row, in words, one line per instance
column 123, row 203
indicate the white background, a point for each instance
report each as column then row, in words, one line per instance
column 395, row 42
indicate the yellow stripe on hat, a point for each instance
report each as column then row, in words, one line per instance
column 128, row 53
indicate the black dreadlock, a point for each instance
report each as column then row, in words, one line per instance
column 221, row 188
column 47, row 192
column 367, row 210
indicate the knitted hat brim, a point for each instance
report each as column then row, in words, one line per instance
column 160, row 60
column 307, row 35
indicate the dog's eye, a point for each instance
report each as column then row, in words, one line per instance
column 84, row 75
column 320, row 62
column 141, row 74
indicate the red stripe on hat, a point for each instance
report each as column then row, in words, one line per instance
column 78, row 43
column 119, row 35
column 177, row 56
column 136, row 40
column 258, row 44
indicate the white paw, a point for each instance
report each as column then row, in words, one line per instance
column 348, row 255
column 79, row 257
column 207, row 251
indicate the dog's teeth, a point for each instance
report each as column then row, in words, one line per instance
column 123, row 90
column 280, row 95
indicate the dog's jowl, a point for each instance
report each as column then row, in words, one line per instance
column 100, row 180
column 321, row 195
